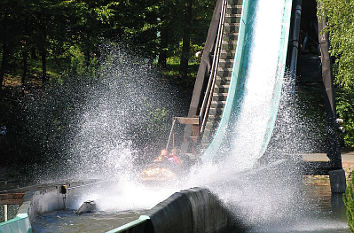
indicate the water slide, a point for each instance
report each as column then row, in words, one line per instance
column 245, row 127
column 253, row 97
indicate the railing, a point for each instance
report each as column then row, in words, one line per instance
column 204, row 109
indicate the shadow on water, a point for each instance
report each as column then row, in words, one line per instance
column 68, row 221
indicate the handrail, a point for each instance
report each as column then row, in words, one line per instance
column 130, row 226
column 203, row 73
column 204, row 110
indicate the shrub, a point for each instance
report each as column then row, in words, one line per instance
column 349, row 203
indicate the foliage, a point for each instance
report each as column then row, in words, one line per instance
column 340, row 17
column 345, row 109
column 157, row 121
column 77, row 60
column 348, row 198
column 69, row 32
column 59, row 47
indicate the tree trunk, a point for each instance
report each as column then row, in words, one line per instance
column 33, row 53
column 163, row 48
column 87, row 59
column 24, row 60
column 4, row 62
column 43, row 48
column 87, row 51
column 183, row 68
column 44, row 65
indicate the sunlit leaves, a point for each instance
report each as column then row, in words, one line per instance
column 340, row 26
column 340, row 15
column 348, row 198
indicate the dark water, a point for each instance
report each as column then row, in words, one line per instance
column 68, row 221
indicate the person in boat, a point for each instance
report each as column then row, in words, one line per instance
column 163, row 155
column 173, row 158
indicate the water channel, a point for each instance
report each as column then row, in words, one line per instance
column 315, row 210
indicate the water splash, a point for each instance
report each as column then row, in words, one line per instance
column 114, row 113
column 94, row 127
column 125, row 120
column 255, row 110
column 253, row 195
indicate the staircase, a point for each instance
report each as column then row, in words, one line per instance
column 224, row 69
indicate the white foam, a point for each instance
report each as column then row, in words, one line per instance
column 255, row 112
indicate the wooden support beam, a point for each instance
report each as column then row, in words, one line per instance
column 11, row 198
column 333, row 150
column 188, row 120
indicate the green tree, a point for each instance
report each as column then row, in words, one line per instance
column 348, row 198
column 340, row 18
column 11, row 27
column 195, row 22
column 48, row 30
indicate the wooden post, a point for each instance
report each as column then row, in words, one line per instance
column 337, row 174
column 173, row 140
column 171, row 133
column 203, row 71
column 333, row 150
column 5, row 212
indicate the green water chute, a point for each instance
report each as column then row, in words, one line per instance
column 239, row 72
column 19, row 224
column 131, row 225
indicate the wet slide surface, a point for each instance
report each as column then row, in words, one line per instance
column 255, row 89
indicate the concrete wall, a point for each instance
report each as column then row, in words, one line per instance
column 47, row 200
column 195, row 210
